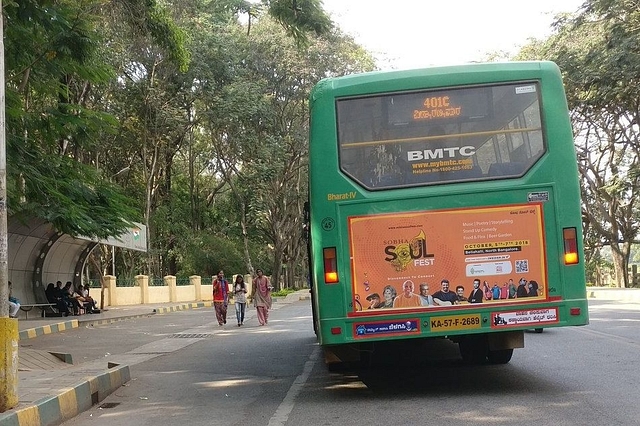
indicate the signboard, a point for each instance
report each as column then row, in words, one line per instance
column 386, row 328
column 135, row 238
column 395, row 256
column 532, row 317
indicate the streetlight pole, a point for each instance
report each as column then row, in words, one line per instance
column 8, row 326
column 4, row 270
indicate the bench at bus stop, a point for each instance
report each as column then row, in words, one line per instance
column 46, row 309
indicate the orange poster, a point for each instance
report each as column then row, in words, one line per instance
column 439, row 259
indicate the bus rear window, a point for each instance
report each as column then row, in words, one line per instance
column 436, row 136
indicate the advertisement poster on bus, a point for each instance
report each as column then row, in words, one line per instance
column 449, row 258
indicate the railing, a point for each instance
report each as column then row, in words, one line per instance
column 131, row 282
column 119, row 291
column 126, row 282
column 156, row 281
column 183, row 281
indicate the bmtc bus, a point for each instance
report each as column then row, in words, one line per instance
column 443, row 203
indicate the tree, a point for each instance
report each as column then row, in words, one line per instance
column 257, row 125
column 598, row 51
column 51, row 64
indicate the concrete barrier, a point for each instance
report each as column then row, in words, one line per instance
column 56, row 409
column 631, row 295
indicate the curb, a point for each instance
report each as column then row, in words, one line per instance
column 182, row 307
column 71, row 402
column 67, row 325
column 112, row 320
column 47, row 329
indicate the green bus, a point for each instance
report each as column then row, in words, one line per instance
column 443, row 203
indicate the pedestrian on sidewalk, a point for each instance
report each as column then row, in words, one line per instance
column 261, row 296
column 240, row 298
column 220, row 297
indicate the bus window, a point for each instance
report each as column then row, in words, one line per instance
column 429, row 137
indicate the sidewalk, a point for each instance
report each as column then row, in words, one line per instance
column 51, row 390
column 629, row 295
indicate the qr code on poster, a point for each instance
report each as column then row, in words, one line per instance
column 522, row 266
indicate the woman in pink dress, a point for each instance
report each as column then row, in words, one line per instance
column 261, row 295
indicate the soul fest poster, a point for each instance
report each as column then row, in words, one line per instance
column 493, row 244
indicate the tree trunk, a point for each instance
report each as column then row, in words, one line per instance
column 245, row 238
column 620, row 263
column 277, row 265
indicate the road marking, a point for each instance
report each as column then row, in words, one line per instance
column 281, row 415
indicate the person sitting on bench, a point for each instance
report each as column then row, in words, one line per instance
column 84, row 290
column 54, row 297
column 87, row 303
column 14, row 304
column 67, row 296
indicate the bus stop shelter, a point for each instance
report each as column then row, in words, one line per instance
column 38, row 255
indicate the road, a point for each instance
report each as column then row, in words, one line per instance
column 273, row 375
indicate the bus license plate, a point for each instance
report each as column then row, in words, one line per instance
column 455, row 322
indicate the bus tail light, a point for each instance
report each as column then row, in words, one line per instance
column 330, row 265
column 570, row 237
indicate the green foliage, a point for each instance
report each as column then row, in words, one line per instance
column 147, row 17
column 205, row 254
column 598, row 51
column 50, row 52
column 284, row 292
column 175, row 114
column 299, row 17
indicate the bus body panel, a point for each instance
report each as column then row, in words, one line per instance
column 342, row 208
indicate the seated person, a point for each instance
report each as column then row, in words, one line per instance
column 82, row 296
column 69, row 298
column 54, row 297
column 14, row 304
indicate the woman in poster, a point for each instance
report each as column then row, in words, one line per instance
column 389, row 293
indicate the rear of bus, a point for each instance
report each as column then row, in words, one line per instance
column 463, row 176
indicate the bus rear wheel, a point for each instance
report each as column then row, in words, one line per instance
column 502, row 356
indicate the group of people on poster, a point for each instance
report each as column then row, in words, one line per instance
column 260, row 295
column 447, row 296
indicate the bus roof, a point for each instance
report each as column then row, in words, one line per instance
column 472, row 73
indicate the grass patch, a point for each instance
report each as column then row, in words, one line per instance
column 284, row 292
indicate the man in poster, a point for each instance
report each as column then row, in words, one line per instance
column 476, row 294
column 408, row 299
column 444, row 296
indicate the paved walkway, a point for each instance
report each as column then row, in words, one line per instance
column 52, row 390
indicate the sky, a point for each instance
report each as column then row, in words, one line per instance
column 417, row 33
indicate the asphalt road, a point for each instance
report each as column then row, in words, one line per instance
column 192, row 371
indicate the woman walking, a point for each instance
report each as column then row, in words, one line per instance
column 261, row 296
column 240, row 297
column 220, row 298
